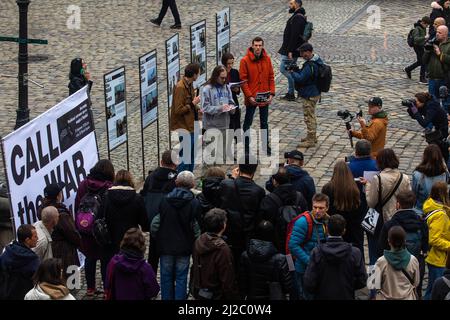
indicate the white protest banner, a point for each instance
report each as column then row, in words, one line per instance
column 57, row 146
column 223, row 35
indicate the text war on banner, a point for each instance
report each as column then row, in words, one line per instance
column 172, row 66
column 223, row 21
column 116, row 107
column 57, row 146
column 149, row 88
column 198, row 50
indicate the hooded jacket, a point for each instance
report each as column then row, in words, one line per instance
column 98, row 184
column 432, row 113
column 18, row 263
column 123, row 209
column 439, row 232
column 77, row 80
column 260, row 264
column 375, row 132
column 48, row 291
column 176, row 225
column 209, row 198
column 160, row 180
column 257, row 74
column 183, row 111
column 306, row 78
column 436, row 64
column 419, row 34
column 213, row 99
column 292, row 36
column 212, row 268
column 394, row 285
column 335, row 271
column 410, row 222
column 130, row 277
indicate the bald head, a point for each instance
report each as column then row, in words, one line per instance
column 442, row 33
column 50, row 217
column 439, row 22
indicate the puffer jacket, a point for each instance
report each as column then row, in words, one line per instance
column 213, row 99
column 48, row 291
column 260, row 264
column 439, row 232
column 389, row 178
column 257, row 74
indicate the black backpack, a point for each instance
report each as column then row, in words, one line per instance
column 324, row 77
column 410, row 38
column 88, row 211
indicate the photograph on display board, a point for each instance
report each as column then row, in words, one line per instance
column 121, row 126
column 119, row 93
column 151, row 76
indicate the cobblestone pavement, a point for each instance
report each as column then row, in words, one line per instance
column 366, row 62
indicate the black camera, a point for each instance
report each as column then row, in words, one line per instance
column 292, row 66
column 429, row 44
column 347, row 116
column 409, row 103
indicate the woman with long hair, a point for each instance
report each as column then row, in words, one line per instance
column 430, row 170
column 345, row 200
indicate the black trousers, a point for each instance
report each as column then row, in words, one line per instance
column 173, row 7
column 419, row 63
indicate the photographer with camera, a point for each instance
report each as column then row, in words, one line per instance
column 418, row 36
column 375, row 131
column 429, row 114
column 437, row 59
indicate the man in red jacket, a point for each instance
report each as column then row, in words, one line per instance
column 259, row 86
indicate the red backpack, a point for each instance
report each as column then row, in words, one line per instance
column 290, row 227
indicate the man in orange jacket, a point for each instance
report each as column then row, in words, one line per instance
column 257, row 73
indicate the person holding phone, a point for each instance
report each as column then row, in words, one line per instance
column 79, row 76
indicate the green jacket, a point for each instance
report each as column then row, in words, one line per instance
column 419, row 34
column 435, row 64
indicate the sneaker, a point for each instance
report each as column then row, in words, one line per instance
column 288, row 97
column 155, row 22
column 423, row 81
column 408, row 73
column 175, row 26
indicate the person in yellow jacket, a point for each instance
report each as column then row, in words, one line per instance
column 435, row 213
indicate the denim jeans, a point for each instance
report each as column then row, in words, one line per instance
column 263, row 122
column 174, row 272
column 433, row 274
column 190, row 166
column 90, row 270
column 433, row 87
column 284, row 62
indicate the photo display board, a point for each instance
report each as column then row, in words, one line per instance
column 116, row 107
column 198, row 50
column 172, row 66
column 149, row 88
column 223, row 33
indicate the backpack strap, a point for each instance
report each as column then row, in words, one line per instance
column 432, row 213
column 310, row 223
column 407, row 275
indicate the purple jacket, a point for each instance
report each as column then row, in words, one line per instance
column 89, row 246
column 130, row 277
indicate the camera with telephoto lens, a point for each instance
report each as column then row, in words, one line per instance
column 429, row 44
column 347, row 116
column 409, row 103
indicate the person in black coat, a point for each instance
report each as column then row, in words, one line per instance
column 441, row 287
column 440, row 10
column 429, row 114
column 79, row 76
column 292, row 40
column 18, row 263
column 123, row 209
column 284, row 194
column 157, row 185
column 260, row 264
column 336, row 268
column 233, row 76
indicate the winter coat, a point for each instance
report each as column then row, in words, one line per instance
column 212, row 268
column 300, row 246
column 209, row 198
column 176, row 225
column 421, row 185
column 419, row 34
column 183, row 112
column 258, row 73
column 335, row 271
column 359, row 165
column 130, row 277
column 306, row 78
column 242, row 205
column 435, row 64
column 440, row 288
column 213, row 99
column 123, row 209
column 66, row 240
column 18, row 264
column 438, row 11
column 389, row 178
column 48, row 291
column 432, row 114
column 97, row 184
column 260, row 264
column 301, row 181
column 438, row 223
column 375, row 132
column 394, row 285
column 44, row 244
column 410, row 222
column 292, row 35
